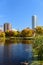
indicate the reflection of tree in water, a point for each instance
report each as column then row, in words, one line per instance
column 19, row 41
column 27, row 41
column 7, row 55
column 23, row 51
column 12, row 41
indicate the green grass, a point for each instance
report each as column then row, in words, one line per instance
column 37, row 63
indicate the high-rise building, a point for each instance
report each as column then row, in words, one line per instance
column 7, row 26
column 34, row 21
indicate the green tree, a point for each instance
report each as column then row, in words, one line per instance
column 40, row 53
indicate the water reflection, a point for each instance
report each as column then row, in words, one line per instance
column 1, row 54
column 15, row 53
column 6, row 54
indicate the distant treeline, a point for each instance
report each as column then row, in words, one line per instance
column 27, row 32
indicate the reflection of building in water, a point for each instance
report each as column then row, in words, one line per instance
column 16, row 53
column 6, row 54
column 1, row 54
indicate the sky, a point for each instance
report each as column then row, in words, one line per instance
column 19, row 13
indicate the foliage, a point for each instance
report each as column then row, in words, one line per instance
column 2, row 34
column 27, row 32
column 37, row 63
column 38, row 47
column 40, row 53
column 39, row 30
column 11, row 33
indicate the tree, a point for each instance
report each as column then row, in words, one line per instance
column 27, row 32
column 12, row 33
column 2, row 34
column 38, row 30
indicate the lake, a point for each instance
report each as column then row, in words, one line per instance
column 14, row 53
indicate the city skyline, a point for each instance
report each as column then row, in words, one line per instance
column 19, row 12
column 8, row 26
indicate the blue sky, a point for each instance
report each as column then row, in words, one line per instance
column 19, row 12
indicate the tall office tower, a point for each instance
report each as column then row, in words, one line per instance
column 7, row 26
column 34, row 21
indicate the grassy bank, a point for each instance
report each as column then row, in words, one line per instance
column 37, row 63
column 38, row 47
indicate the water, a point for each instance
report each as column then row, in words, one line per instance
column 15, row 53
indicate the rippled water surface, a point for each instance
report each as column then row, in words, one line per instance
column 15, row 53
